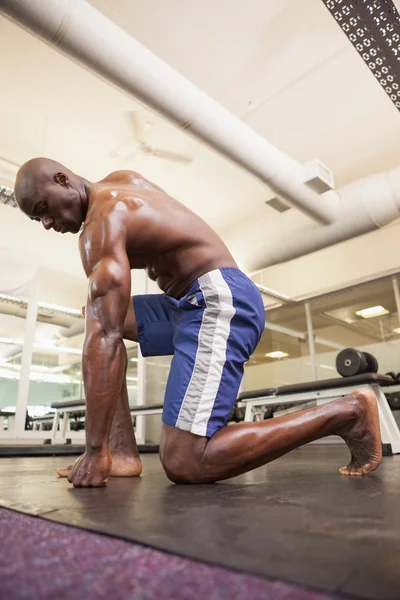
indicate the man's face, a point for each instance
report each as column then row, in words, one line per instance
column 56, row 206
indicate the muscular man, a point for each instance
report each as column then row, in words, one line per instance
column 210, row 317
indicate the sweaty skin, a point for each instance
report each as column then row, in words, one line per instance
column 157, row 233
column 130, row 223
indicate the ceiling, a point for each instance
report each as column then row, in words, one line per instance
column 283, row 66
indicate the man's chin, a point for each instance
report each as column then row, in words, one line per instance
column 72, row 228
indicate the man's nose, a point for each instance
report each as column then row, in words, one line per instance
column 47, row 222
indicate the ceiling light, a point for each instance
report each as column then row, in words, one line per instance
column 277, row 354
column 396, row 330
column 372, row 311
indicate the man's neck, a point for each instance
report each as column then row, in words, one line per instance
column 84, row 190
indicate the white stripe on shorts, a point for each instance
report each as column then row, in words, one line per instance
column 210, row 359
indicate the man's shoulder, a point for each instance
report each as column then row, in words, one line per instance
column 105, row 227
column 131, row 178
column 123, row 176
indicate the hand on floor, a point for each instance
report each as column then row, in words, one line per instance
column 91, row 469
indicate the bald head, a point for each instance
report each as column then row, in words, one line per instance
column 32, row 176
column 47, row 191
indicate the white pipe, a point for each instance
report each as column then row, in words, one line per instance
column 328, row 343
column 273, row 294
column 311, row 341
column 141, row 285
column 396, row 295
column 366, row 205
column 299, row 335
column 281, row 329
column 77, row 29
column 26, row 360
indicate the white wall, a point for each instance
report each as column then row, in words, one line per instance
column 60, row 288
column 39, row 393
column 354, row 261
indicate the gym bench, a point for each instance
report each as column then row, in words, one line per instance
column 39, row 422
column 9, row 417
column 69, row 407
column 325, row 391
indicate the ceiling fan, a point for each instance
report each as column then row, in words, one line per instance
column 139, row 145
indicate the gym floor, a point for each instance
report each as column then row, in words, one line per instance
column 296, row 521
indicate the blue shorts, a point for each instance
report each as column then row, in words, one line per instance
column 211, row 331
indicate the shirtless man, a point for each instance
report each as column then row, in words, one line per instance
column 210, row 317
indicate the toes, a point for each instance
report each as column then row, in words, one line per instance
column 350, row 470
column 353, row 471
column 64, row 472
column 356, row 471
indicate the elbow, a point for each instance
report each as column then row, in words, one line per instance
column 114, row 338
column 111, row 338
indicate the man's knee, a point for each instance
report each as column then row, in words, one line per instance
column 181, row 456
column 178, row 471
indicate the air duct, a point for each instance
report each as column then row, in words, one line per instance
column 365, row 205
column 77, row 29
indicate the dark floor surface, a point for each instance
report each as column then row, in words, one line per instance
column 43, row 560
column 296, row 519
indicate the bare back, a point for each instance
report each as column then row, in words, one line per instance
column 163, row 236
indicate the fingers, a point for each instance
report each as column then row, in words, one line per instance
column 86, row 473
column 75, row 468
column 85, row 483
column 83, row 479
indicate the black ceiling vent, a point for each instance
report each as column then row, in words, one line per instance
column 373, row 27
column 277, row 204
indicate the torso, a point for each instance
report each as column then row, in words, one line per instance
column 172, row 243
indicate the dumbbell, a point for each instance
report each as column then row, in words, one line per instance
column 351, row 362
column 372, row 363
column 394, row 400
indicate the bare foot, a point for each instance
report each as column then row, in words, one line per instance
column 65, row 471
column 362, row 435
column 122, row 466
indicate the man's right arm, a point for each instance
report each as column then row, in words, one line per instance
column 104, row 357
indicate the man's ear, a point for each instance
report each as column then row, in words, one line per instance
column 61, row 178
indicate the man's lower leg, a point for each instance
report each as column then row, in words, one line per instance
column 125, row 455
column 240, row 448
